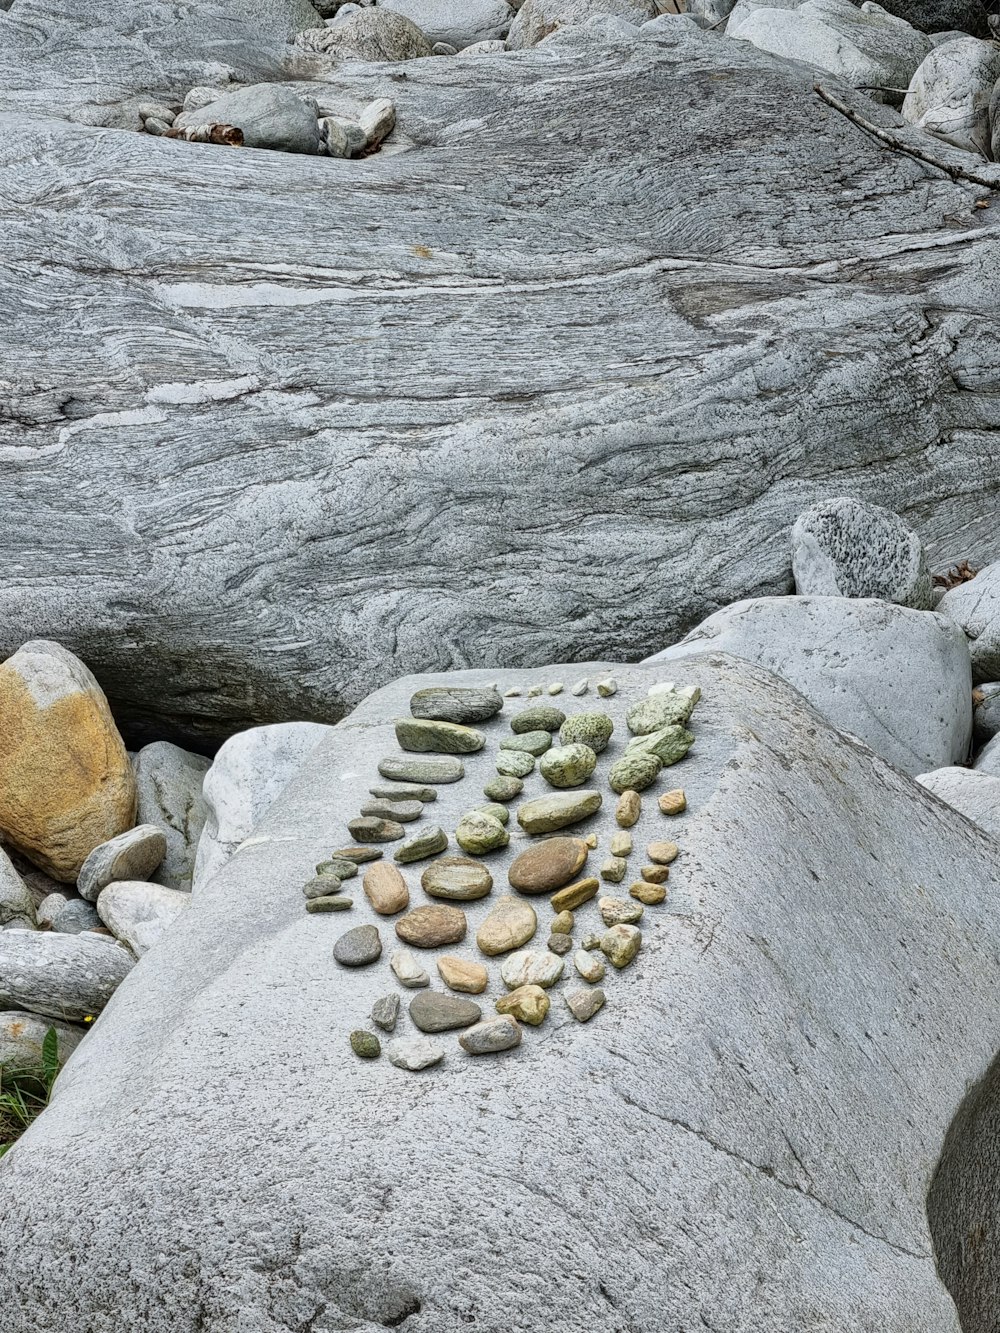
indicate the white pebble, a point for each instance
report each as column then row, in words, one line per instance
column 556, row 687
column 534, row 691
column 664, row 687
column 581, row 687
column 513, row 693
column 606, row 688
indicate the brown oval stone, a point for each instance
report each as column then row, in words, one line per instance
column 457, row 878
column 462, row 974
column 650, row 894
column 629, row 809
column 548, row 865
column 663, row 853
column 673, row 802
column 385, row 888
column 655, row 874
column 574, row 895
column 427, row 927
column 511, row 924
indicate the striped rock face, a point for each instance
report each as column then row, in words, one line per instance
column 66, row 784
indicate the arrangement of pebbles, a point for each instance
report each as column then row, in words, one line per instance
column 560, row 921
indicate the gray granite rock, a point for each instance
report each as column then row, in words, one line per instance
column 169, row 782
column 975, row 606
column 491, row 1036
column 76, row 916
column 22, row 1036
column 949, row 96
column 133, row 855
column 849, row 548
column 415, row 1053
column 459, row 23
column 461, row 705
column 138, row 913
column 896, row 678
column 973, row 792
column 271, row 115
column 48, row 909
column 373, row 35
column 358, row 947
column 538, row 19
column 385, row 1012
column 410, row 768
column 17, row 903
column 433, row 1011
column 70, row 977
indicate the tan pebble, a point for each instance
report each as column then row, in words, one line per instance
column 589, row 965
column 385, row 888
column 591, row 840
column 575, row 895
column 563, row 924
column 629, row 809
column 534, row 691
column 650, row 894
column 655, row 874
column 663, row 853
column 556, row 687
column 511, row 923
column 429, row 927
column 614, row 869
column 528, row 1003
column 673, row 802
column 462, row 974
column 621, row 844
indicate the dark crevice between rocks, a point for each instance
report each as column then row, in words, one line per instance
column 410, row 1306
column 963, row 1207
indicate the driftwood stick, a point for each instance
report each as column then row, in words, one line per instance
column 899, row 145
column 229, row 135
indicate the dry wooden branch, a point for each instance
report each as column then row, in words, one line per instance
column 961, row 573
column 229, row 135
column 900, row 145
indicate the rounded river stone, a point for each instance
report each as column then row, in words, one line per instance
column 531, row 967
column 491, row 1036
column 403, row 812
column 359, row 855
column 653, row 874
column 456, row 703
column 480, row 833
column 322, row 886
column 593, row 729
column 673, row 802
column 495, row 809
column 407, row 970
column 462, row 974
column 538, row 717
column 511, row 923
column 415, row 1053
column 365, row 1044
column 575, row 895
column 432, row 1011
column 548, row 865
column 584, row 1004
column 503, row 788
column 589, row 965
column 431, row 841
column 664, row 709
column 669, row 745
column 427, row 927
column 358, row 947
column 614, row 869
column 402, row 768
column 370, row 829
column 548, row 813
column 385, row 888
column 515, row 763
column 559, row 944
column 628, row 809
column 437, row 737
column 568, row 765
column 620, row 944
column 562, row 923
column 531, row 742
column 647, row 893
column 457, row 878
column 338, row 866
column 663, row 853
column 634, row 772
column 618, row 911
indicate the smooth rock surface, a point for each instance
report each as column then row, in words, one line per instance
column 169, row 783
column 975, row 606
column 271, row 115
column 69, row 977
column 460, row 23
column 847, row 548
column 139, row 913
column 457, row 878
column 974, row 792
column 133, row 855
column 897, row 679
column 949, row 95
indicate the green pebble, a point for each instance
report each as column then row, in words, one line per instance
column 567, row 765
column 665, row 709
column 497, row 811
column 478, row 833
column 515, row 763
column 335, row 902
column 562, row 923
column 339, row 866
column 540, row 717
column 532, row 742
column 670, row 744
column 635, row 772
column 416, row 734
column 503, row 789
column 593, row 729
column 365, row 1044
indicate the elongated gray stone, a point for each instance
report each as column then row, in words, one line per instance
column 430, row 841
column 531, row 742
column 548, row 813
column 463, row 705
column 169, row 781
column 406, row 769
column 437, row 737
column 403, row 812
column 70, row 977
column 432, row 1011
column 492, row 1036
column 404, row 791
column 133, row 856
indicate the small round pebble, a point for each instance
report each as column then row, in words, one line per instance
column 673, row 802
column 339, row 866
column 515, row 763
column 650, row 894
column 590, row 941
column 580, row 687
column 589, row 965
column 539, row 717
column 556, row 687
column 479, row 833
column 606, row 688
column 365, row 1044
column 614, row 869
column 503, row 789
column 513, row 693
column 560, row 944
column 567, row 765
column 655, row 874
column 407, row 970
column 621, row 943
column 563, row 923
column 621, row 844
column 663, row 853
column 491, row 1036
column 495, row 809
column 619, row 911
column 530, row 1004
column 534, row 691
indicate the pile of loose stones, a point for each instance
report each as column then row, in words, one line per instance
column 566, row 750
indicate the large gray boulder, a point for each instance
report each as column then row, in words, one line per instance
column 847, row 548
column 975, row 606
column 897, row 679
column 373, row 34
column 949, row 95
column 458, row 22
column 267, row 518
column 65, row 976
column 271, row 115
column 975, row 794
column 763, row 1099
column 169, row 781
column 537, row 19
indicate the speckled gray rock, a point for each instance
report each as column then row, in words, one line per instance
column 974, row 792
column 584, row 1004
column 429, row 737
column 567, row 765
column 456, row 878
column 896, row 678
column 70, row 977
column 669, row 745
column 22, row 1036
column 514, row 763
column 530, row 742
column 385, row 1012
column 634, row 771
column 271, row 115
column 459, row 705
column 537, row 717
column 415, row 1053
column 133, row 855
column 479, row 833
column 546, row 814
column 139, row 913
column 77, row 915
column 538, row 19
column 358, row 946
column 373, row 34
column 408, row 768
column 460, row 23
column 433, row 1011
column 503, row 788
column 491, row 1036
column 949, row 96
column 169, row 781
column 849, row 548
column 17, row 903
column 593, row 729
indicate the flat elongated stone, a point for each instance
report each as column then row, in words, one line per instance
column 69, row 977
column 358, row 947
column 367, row 828
column 673, row 802
column 503, row 788
column 404, row 768
column 437, row 737
column 510, row 924
column 665, row 708
column 530, row 742
column 433, row 1011
column 530, row 1004
column 359, row 855
column 634, row 772
column 621, row 943
column 654, row 874
column 669, row 745
column 456, row 703
column 334, row 902
column 589, row 965
column 515, row 763
column 338, row 867
column 580, row 687
column 628, row 809
column 415, row 1053
column 462, row 974
column 480, row 833
column 457, row 879
column 537, row 717
column 385, row 1012
column 593, row 729
column 548, row 865
column 407, row 970
column 321, row 886
column 132, row 855
column 567, row 765
column 548, row 813
column 531, row 967
column 386, row 889
column 403, row 812
column 615, row 911
column 491, row 1036
column 428, row 927
column 647, row 893
column 584, row 1004
column 431, row 841
column 575, row 895
column 663, row 853
column 404, row 791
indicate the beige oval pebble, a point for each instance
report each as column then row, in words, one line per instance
column 528, row 1003
column 463, row 975
column 575, row 895
column 673, row 802
column 629, row 809
column 511, row 924
column 650, row 894
column 457, row 878
column 385, row 888
column 655, row 874
column 663, row 853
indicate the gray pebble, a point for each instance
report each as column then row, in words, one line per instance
column 429, row 842
column 358, row 947
column 403, row 812
column 415, row 1053
column 385, row 1012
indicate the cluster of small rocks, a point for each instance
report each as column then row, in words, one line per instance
column 444, row 730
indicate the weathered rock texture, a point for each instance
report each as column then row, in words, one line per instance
column 303, row 458
column 764, row 1099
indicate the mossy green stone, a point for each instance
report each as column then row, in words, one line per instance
column 335, row 902
column 567, row 765
column 532, row 742
column 670, row 744
column 515, row 763
column 634, row 772
column 557, row 811
column 497, row 811
column 479, row 833
column 503, row 789
column 665, row 709
column 365, row 1044
column 425, row 737
column 339, row 866
column 540, row 717
column 593, row 729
